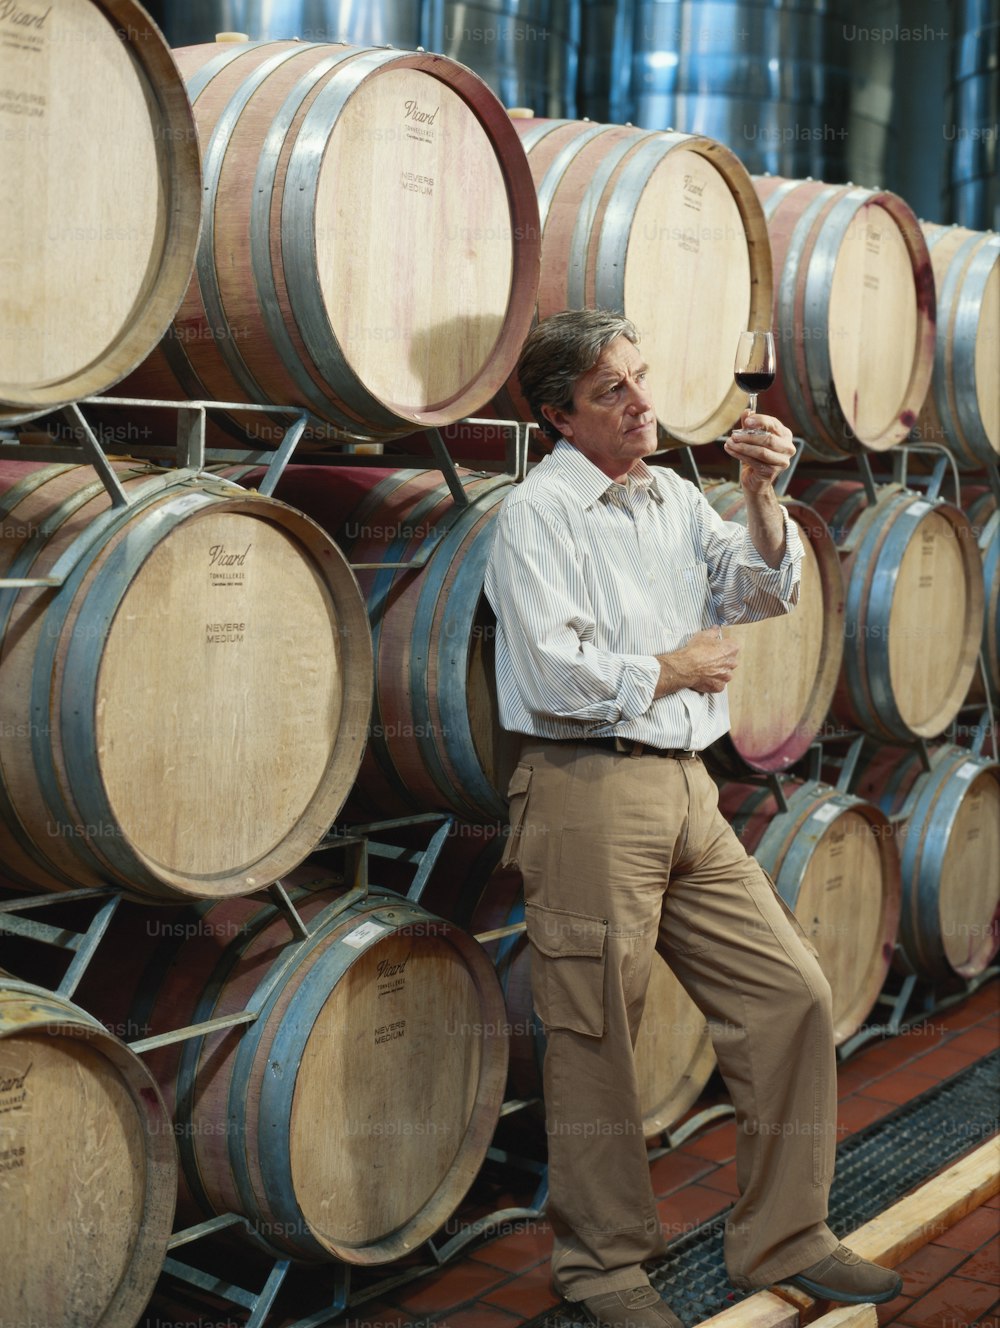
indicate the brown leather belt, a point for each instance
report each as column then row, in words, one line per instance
column 630, row 747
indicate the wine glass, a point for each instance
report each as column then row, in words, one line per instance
column 754, row 370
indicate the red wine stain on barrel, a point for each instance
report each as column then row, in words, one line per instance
column 924, row 281
column 908, row 418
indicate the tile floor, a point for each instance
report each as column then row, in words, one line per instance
column 954, row 1282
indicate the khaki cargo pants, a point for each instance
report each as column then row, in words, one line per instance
column 620, row 855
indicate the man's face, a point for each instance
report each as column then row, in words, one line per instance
column 613, row 422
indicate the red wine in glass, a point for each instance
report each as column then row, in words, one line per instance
column 754, row 369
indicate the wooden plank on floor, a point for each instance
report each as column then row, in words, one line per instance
column 849, row 1316
column 764, row 1310
column 887, row 1239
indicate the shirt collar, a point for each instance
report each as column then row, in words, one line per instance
column 590, row 484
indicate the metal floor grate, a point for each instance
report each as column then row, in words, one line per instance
column 875, row 1166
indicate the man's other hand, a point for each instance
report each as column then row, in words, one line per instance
column 705, row 664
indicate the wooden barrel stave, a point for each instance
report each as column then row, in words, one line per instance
column 815, row 852
column 81, row 679
column 94, row 1151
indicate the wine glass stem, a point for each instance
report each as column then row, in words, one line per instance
column 752, row 401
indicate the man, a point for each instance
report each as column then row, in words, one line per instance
column 610, row 582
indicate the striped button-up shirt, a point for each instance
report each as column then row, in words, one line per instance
column 589, row 579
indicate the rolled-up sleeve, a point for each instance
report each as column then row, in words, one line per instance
column 545, row 616
column 744, row 588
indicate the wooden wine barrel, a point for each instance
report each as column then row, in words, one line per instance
column 184, row 715
column 100, row 190
column 88, row 1167
column 962, row 410
column 949, row 839
column 788, row 666
column 666, row 228
column 371, row 243
column 914, row 608
column 349, row 1119
column 435, row 739
column 833, row 861
column 674, row 1057
column 854, row 314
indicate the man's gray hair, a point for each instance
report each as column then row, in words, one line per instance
column 560, row 350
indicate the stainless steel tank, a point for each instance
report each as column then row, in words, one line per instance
column 526, row 50
column 607, row 41
column 972, row 119
column 771, row 81
column 877, row 55
column 794, row 87
column 361, row 22
column 189, row 22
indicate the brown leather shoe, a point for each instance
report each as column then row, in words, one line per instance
column 639, row 1307
column 845, row 1276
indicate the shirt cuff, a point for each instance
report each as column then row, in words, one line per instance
column 640, row 675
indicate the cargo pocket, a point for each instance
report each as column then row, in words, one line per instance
column 517, row 795
column 568, row 968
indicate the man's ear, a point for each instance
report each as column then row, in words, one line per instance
column 559, row 420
